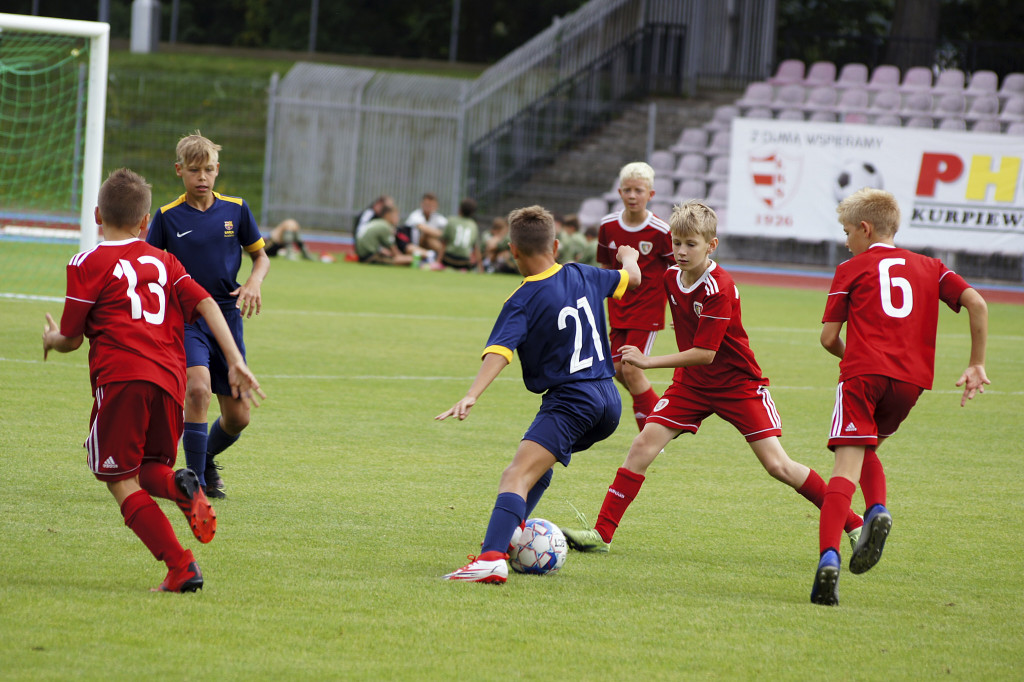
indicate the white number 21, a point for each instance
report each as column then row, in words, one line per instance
column 124, row 269
column 576, row 364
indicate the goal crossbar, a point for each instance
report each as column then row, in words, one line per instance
column 98, row 34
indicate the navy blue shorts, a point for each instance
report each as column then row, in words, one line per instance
column 574, row 416
column 202, row 350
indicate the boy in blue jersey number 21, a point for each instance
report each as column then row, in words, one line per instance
column 555, row 320
column 208, row 231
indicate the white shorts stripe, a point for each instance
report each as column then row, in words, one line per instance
column 769, row 406
column 837, row 413
column 92, row 447
column 649, row 346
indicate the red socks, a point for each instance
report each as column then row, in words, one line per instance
column 623, row 490
column 814, row 490
column 643, row 405
column 158, row 480
column 872, row 479
column 146, row 520
column 834, row 510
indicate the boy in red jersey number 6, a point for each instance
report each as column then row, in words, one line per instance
column 889, row 299
column 132, row 300
column 636, row 319
column 716, row 373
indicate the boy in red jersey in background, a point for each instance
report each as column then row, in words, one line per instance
column 131, row 300
column 889, row 299
column 636, row 319
column 716, row 373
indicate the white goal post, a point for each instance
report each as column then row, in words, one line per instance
column 98, row 34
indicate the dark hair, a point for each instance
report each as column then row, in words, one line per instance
column 467, row 207
column 124, row 198
column 532, row 230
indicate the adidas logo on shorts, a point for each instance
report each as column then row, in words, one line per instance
column 109, row 463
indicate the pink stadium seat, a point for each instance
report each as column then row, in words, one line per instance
column 987, row 125
column 722, row 118
column 791, row 115
column 823, row 117
column 950, row 80
column 820, row 73
column 720, row 143
column 662, row 161
column 691, row 140
column 758, row 113
column 952, row 124
column 789, row 97
column 1015, row 128
column 852, row 75
column 613, row 195
column 821, row 98
column 691, row 189
column 692, row 165
column 789, row 71
column 885, row 77
column 757, row 94
column 718, row 195
column 983, row 107
column 1013, row 109
column 983, row 83
column 891, row 120
column 855, row 117
column 1013, row 85
column 921, row 122
column 917, row 103
column 950, row 104
column 854, row 100
column 917, row 79
column 885, row 102
column 591, row 211
column 664, row 187
column 719, row 169
column 662, row 209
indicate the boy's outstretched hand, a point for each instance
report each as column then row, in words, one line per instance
column 973, row 380
column 244, row 384
column 459, row 409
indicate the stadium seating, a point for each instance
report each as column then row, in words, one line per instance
column 885, row 102
column 983, row 107
column 612, row 195
column 789, row 97
column 719, row 144
column 692, row 165
column 952, row 124
column 757, row 94
column 1013, row 109
column 917, row 103
column 759, row 113
column 950, row 104
column 789, row 71
column 821, row 98
column 591, row 211
column 916, row 79
column 691, row 140
column 950, row 80
column 1013, row 85
column 987, row 125
column 855, row 117
column 892, row 120
column 885, row 77
column 1015, row 128
column 791, row 115
column 664, row 187
column 691, row 189
column 662, row 209
column 662, row 161
column 853, row 100
column 820, row 73
column 719, row 169
column 718, row 195
column 823, row 117
column 920, row 122
column 982, row 83
column 852, row 75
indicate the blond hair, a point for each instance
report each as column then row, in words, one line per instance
column 532, row 230
column 124, row 198
column 875, row 206
column 693, row 217
column 195, row 149
column 638, row 170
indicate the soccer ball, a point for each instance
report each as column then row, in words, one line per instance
column 855, row 175
column 539, row 549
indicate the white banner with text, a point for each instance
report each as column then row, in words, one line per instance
column 957, row 190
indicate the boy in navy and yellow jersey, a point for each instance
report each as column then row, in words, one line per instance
column 208, row 231
column 555, row 321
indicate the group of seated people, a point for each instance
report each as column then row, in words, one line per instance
column 429, row 239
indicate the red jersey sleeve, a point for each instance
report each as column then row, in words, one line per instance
column 951, row 288
column 82, row 293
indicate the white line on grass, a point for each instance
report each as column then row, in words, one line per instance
column 30, row 297
column 392, row 316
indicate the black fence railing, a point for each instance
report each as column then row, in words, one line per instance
column 968, row 56
column 648, row 62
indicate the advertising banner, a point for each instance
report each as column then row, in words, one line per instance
column 957, row 190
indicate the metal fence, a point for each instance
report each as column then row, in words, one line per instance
column 337, row 137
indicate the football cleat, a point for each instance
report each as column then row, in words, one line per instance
column 854, row 535
column 186, row 578
column 825, row 590
column 584, row 539
column 214, row 483
column 194, row 505
column 489, row 567
column 867, row 552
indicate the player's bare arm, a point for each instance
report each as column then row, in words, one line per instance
column 973, row 378
column 244, row 385
column 54, row 340
column 629, row 256
column 249, row 298
column 831, row 339
column 687, row 358
column 489, row 370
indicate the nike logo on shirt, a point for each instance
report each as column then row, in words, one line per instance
column 182, row 234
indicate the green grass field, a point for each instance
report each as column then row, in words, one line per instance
column 347, row 502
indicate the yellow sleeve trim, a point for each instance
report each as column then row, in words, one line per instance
column 623, row 283
column 176, row 202
column 233, row 200
column 498, row 350
column 256, row 245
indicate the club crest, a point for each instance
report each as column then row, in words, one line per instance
column 698, row 307
column 774, row 177
column 646, row 247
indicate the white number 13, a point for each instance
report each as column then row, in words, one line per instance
column 124, row 269
column 887, row 283
column 576, row 364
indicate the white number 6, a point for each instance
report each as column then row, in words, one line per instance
column 887, row 283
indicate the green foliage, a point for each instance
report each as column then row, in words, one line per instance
column 347, row 502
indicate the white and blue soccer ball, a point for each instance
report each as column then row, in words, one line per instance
column 854, row 175
column 540, row 548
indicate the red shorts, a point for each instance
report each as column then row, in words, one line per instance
column 868, row 407
column 748, row 407
column 132, row 421
column 641, row 338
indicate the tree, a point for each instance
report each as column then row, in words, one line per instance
column 915, row 33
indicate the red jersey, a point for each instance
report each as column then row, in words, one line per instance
column 707, row 315
column 643, row 307
column 889, row 299
column 131, row 301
